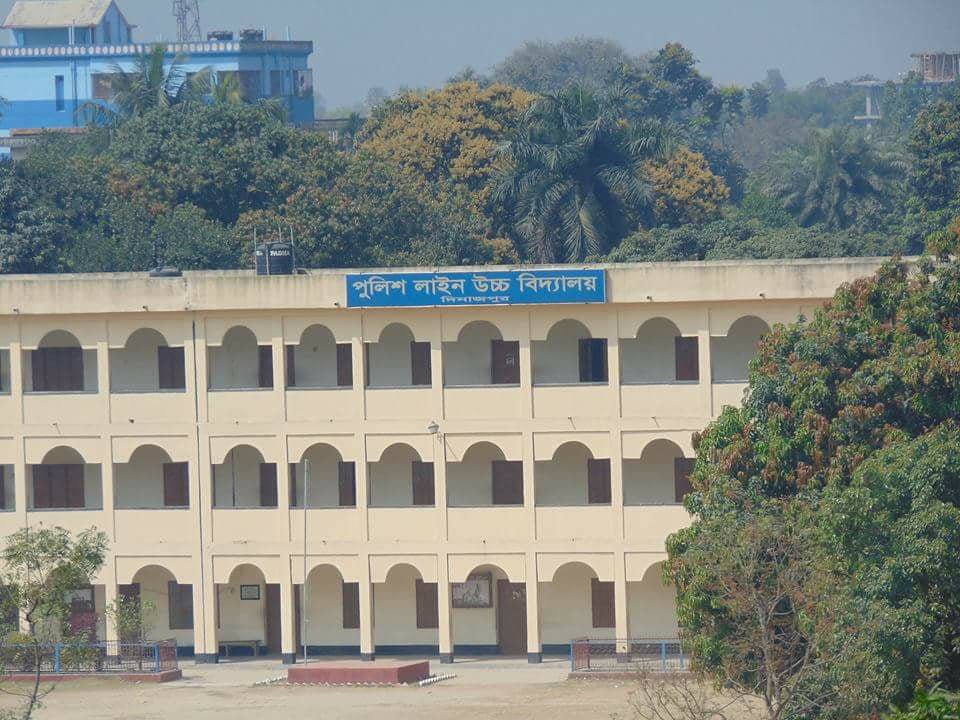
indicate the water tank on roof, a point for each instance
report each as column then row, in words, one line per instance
column 220, row 35
column 251, row 35
column 275, row 258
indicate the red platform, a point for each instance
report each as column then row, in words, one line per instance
column 346, row 672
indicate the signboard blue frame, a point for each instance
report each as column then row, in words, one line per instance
column 493, row 287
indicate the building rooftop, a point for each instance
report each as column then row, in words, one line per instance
column 56, row 13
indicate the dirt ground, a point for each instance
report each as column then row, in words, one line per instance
column 487, row 689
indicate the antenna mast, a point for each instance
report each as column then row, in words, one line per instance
column 187, row 13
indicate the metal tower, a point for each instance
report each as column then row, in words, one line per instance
column 187, row 13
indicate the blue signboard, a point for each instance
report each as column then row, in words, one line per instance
column 494, row 287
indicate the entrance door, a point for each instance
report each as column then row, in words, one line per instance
column 511, row 618
column 273, row 619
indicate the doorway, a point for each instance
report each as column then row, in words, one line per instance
column 511, row 618
column 273, row 614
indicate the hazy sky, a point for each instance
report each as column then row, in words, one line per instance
column 364, row 43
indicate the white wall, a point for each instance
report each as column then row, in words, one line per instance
column 135, row 368
column 566, row 607
column 652, row 607
column 651, row 356
column 390, row 363
column 315, row 358
column 556, row 360
column 237, row 481
column 323, row 610
column 324, row 478
column 153, row 588
column 563, row 480
column 236, row 364
column 92, row 485
column 470, row 482
column 139, row 483
column 242, row 619
column 395, row 611
column 649, row 480
column 391, row 479
column 731, row 355
column 468, row 361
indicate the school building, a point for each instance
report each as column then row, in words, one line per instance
column 461, row 461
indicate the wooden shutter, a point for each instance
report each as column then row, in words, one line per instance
column 291, row 365
column 507, row 482
column 293, row 486
column 420, row 363
column 73, row 481
column 42, row 494
column 593, row 360
column 351, row 606
column 172, row 372
column 602, row 601
column 71, row 366
column 598, row 482
column 176, row 485
column 423, row 489
column 265, row 365
column 682, row 468
column 428, row 606
column 38, row 361
column 347, row 481
column 687, row 350
column 505, row 362
column 268, row 485
column 344, row 365
column 58, row 485
column 180, row 604
column 3, row 489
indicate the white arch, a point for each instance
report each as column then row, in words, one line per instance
column 154, row 567
column 240, row 446
column 393, row 448
column 749, row 325
column 485, row 447
column 656, row 443
column 322, row 446
column 63, row 455
column 575, row 326
column 239, row 335
column 154, row 336
column 146, row 448
column 488, row 328
column 396, row 330
column 571, row 445
column 324, row 334
column 242, row 565
column 512, row 567
column 663, row 324
column 58, row 338
column 381, row 565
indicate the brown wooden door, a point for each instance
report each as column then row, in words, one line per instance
column 273, row 619
column 511, row 618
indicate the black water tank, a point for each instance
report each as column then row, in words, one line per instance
column 275, row 259
column 165, row 271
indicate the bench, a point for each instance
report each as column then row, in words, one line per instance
column 254, row 646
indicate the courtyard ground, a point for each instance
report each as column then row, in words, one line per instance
column 488, row 689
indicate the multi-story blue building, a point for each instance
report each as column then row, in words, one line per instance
column 64, row 51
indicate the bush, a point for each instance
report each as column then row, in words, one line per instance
column 934, row 704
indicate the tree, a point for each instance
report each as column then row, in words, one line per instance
column 40, row 567
column 685, row 190
column 573, row 174
column 28, row 232
column 847, row 436
column 775, row 82
column 758, row 98
column 545, row 67
column 934, row 145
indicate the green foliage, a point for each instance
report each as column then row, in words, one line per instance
column 132, row 617
column 28, row 234
column 758, row 99
column 934, row 704
column 935, row 146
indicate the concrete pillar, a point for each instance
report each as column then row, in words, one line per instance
column 534, row 646
column 206, row 646
column 621, row 607
column 445, row 607
column 288, row 621
column 367, row 641
column 706, row 368
column 110, row 594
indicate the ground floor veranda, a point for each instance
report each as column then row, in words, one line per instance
column 509, row 604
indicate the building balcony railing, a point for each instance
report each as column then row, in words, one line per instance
column 131, row 49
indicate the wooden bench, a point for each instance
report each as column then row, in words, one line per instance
column 254, row 646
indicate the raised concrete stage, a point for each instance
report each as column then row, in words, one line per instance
column 344, row 672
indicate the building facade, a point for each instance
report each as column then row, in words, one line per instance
column 274, row 467
column 64, row 52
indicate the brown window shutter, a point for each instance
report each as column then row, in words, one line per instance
column 180, row 602
column 268, row 485
column 682, row 469
column 423, row 486
column 293, row 485
column 42, row 490
column 603, row 599
column 347, row 472
column 176, row 485
column 172, row 373
column 428, row 606
column 265, row 357
column 74, row 486
column 72, row 365
column 687, row 351
column 351, row 606
column 291, row 365
column 38, row 360
column 366, row 364
column 505, row 362
column 58, row 485
column 507, row 482
column 3, row 488
column 593, row 360
column 420, row 363
column 598, row 482
column 344, row 365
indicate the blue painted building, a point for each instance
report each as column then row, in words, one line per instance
column 63, row 52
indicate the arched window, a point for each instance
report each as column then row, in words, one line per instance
column 569, row 355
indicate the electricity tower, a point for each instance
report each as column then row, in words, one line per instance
column 187, row 13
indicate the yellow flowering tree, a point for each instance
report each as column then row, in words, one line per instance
column 685, row 189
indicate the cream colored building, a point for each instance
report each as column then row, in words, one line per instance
column 187, row 417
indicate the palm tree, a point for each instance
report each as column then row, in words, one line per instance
column 153, row 83
column 834, row 177
column 572, row 173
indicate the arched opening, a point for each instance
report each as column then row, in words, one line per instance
column 166, row 607
column 318, row 361
column 573, row 477
column 400, row 478
column 651, row 606
column 146, row 363
column 569, row 355
column 324, row 477
column 151, row 480
column 659, row 354
column 575, row 603
column 328, row 613
column 481, row 356
column 406, row 612
column 731, row 355
column 245, row 480
column 60, row 365
column 484, row 478
column 240, row 363
column 489, row 613
column 65, row 481
column 248, row 612
column 659, row 477
column 398, row 360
